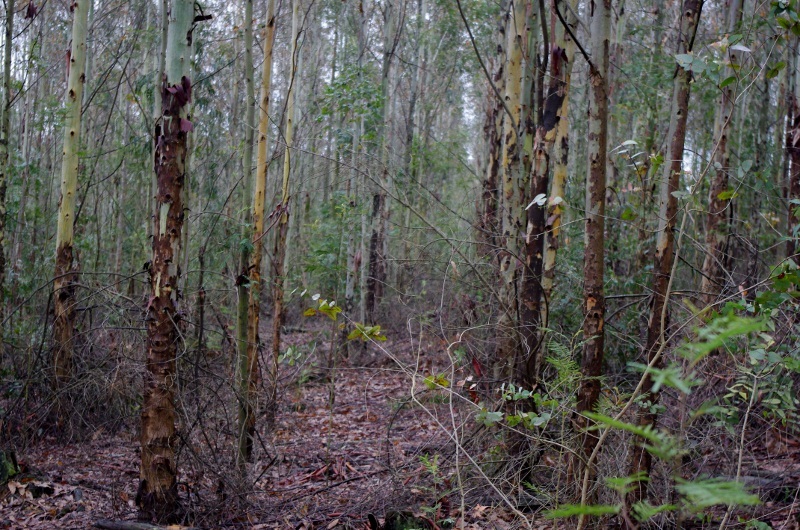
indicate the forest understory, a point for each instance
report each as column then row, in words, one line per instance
column 342, row 452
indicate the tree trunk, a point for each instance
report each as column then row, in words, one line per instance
column 717, row 229
column 283, row 208
column 513, row 194
column 246, row 415
column 63, row 282
column 593, row 266
column 5, row 146
column 560, row 150
column 793, row 152
column 250, row 377
column 641, row 460
column 158, row 492
column 380, row 207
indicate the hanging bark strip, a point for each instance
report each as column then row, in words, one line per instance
column 157, row 497
column 641, row 460
column 64, row 279
column 593, row 266
column 717, row 227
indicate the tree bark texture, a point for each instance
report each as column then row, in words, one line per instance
column 158, row 492
column 283, row 207
column 717, row 226
column 513, row 194
column 5, row 129
column 593, row 266
column 563, row 53
column 259, row 201
column 64, row 278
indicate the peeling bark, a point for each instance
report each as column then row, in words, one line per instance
column 157, row 497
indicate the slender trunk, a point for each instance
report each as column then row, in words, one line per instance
column 246, row 415
column 641, row 460
column 5, row 130
column 157, row 497
column 792, row 185
column 560, row 151
column 593, row 266
column 513, row 193
column 283, row 207
column 248, row 390
column 63, row 283
column 380, row 208
column 717, row 229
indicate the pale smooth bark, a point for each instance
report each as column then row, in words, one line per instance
column 283, row 208
column 64, row 278
column 250, row 376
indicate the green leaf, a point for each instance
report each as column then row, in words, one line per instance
column 310, row 312
column 701, row 494
column 643, row 511
column 684, row 60
column 727, row 81
column 571, row 510
column 489, row 418
column 628, row 214
column 727, row 195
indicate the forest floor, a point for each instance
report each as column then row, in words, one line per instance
column 338, row 454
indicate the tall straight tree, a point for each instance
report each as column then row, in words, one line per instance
column 513, row 191
column 593, row 269
column 560, row 153
column 380, row 207
column 64, row 279
column 246, row 418
column 157, row 497
column 641, row 460
column 283, row 207
column 5, row 129
column 249, row 383
column 717, row 228
column 792, row 163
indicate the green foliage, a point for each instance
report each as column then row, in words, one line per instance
column 704, row 493
column 366, row 333
column 573, row 510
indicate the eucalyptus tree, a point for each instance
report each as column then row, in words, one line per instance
column 664, row 256
column 717, row 227
column 64, row 277
column 246, row 364
column 562, row 61
column 279, row 253
column 250, row 376
column 157, row 497
column 5, row 130
column 594, row 234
